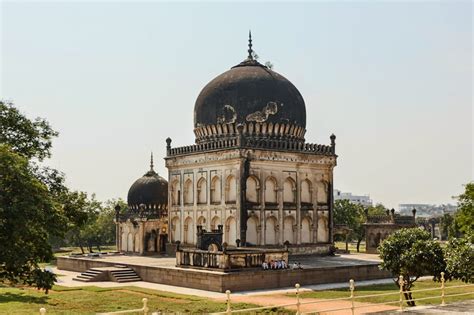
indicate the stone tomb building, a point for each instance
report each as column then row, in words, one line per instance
column 143, row 227
column 250, row 168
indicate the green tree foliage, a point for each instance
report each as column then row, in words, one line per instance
column 354, row 216
column 411, row 253
column 28, row 216
column 459, row 256
column 29, row 138
column 445, row 225
column 465, row 214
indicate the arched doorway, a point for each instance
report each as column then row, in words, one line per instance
column 251, row 235
column 288, row 234
column 231, row 231
column 305, row 230
column 323, row 230
column 270, row 231
column 189, row 231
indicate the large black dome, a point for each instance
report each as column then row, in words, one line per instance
column 264, row 103
column 151, row 190
column 249, row 92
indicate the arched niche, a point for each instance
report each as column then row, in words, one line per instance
column 271, row 190
column 202, row 191
column 231, row 189
column 188, row 192
column 216, row 194
column 253, row 187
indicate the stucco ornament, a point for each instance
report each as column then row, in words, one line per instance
column 229, row 115
column 262, row 115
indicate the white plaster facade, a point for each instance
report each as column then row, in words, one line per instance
column 287, row 196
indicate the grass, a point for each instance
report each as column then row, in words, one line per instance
column 76, row 250
column 352, row 246
column 387, row 288
column 90, row 299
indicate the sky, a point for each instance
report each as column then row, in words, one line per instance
column 392, row 80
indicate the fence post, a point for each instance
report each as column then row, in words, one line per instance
column 145, row 307
column 442, row 289
column 400, row 283
column 228, row 311
column 297, row 286
column 42, row 311
column 351, row 287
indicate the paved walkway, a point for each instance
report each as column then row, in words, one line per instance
column 65, row 279
column 465, row 307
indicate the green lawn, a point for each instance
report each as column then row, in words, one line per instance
column 387, row 288
column 89, row 300
column 352, row 246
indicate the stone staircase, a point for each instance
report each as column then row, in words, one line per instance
column 117, row 274
column 92, row 275
column 124, row 275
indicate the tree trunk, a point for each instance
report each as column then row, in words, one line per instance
column 82, row 248
column 408, row 297
column 358, row 244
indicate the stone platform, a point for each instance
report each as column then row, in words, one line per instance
column 163, row 270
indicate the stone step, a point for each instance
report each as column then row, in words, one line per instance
column 81, row 280
column 117, row 272
column 129, row 280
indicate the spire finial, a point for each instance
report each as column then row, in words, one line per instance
column 250, row 57
column 151, row 161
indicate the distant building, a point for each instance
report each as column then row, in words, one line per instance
column 379, row 227
column 426, row 210
column 357, row 199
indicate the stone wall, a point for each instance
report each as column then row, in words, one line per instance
column 236, row 281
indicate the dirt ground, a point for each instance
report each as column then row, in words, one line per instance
column 321, row 305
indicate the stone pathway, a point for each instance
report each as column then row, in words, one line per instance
column 317, row 305
column 464, row 307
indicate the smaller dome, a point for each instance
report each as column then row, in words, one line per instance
column 151, row 190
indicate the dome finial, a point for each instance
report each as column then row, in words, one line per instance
column 151, row 161
column 250, row 57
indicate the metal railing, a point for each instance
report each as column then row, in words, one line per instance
column 351, row 298
column 144, row 310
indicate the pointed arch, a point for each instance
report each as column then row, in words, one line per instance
column 215, row 222
column 201, row 221
column 202, row 191
column 175, row 192
column 322, row 195
column 323, row 230
column 216, row 190
column 306, row 189
column 231, row 189
column 288, row 229
column 188, row 231
column 230, row 232
column 175, row 229
column 251, row 234
column 271, row 190
column 188, row 192
column 253, row 189
column 270, row 231
column 289, row 191
column 306, row 230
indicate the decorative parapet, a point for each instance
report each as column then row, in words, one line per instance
column 241, row 142
column 211, row 133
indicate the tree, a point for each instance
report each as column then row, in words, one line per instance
column 445, row 223
column 411, row 253
column 29, row 138
column 354, row 216
column 28, row 216
column 459, row 256
column 465, row 214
